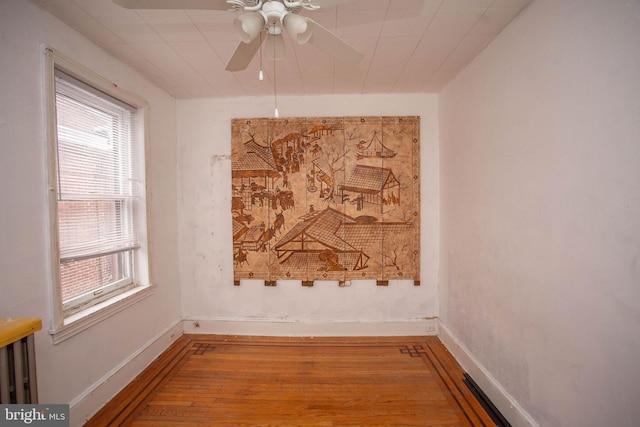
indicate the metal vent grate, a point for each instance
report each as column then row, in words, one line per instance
column 486, row 403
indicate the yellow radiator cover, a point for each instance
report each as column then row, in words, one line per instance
column 14, row 329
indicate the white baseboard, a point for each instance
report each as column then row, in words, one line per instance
column 418, row 327
column 505, row 403
column 95, row 397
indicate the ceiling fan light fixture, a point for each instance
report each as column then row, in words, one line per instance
column 297, row 27
column 268, row 16
column 248, row 26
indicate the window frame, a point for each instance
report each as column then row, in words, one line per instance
column 67, row 322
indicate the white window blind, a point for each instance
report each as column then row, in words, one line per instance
column 97, row 186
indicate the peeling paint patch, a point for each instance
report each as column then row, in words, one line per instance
column 217, row 158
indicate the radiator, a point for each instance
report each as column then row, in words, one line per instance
column 18, row 360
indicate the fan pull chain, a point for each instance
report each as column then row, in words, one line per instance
column 261, row 74
column 275, row 81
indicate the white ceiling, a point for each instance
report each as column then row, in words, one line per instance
column 409, row 45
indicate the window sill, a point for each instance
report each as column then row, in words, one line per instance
column 93, row 315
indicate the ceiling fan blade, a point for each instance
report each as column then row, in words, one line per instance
column 243, row 55
column 328, row 42
column 174, row 4
column 328, row 3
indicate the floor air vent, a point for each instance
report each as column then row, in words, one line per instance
column 488, row 406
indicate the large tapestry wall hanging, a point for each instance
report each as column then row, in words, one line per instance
column 326, row 198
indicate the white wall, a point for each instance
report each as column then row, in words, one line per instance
column 70, row 371
column 206, row 264
column 540, row 208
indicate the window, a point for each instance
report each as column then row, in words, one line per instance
column 97, row 179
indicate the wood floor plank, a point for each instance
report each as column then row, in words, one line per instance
column 210, row 380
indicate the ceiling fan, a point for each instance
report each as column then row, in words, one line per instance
column 268, row 17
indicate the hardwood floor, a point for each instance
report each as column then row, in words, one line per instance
column 211, row 380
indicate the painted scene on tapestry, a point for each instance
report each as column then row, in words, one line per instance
column 326, row 199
